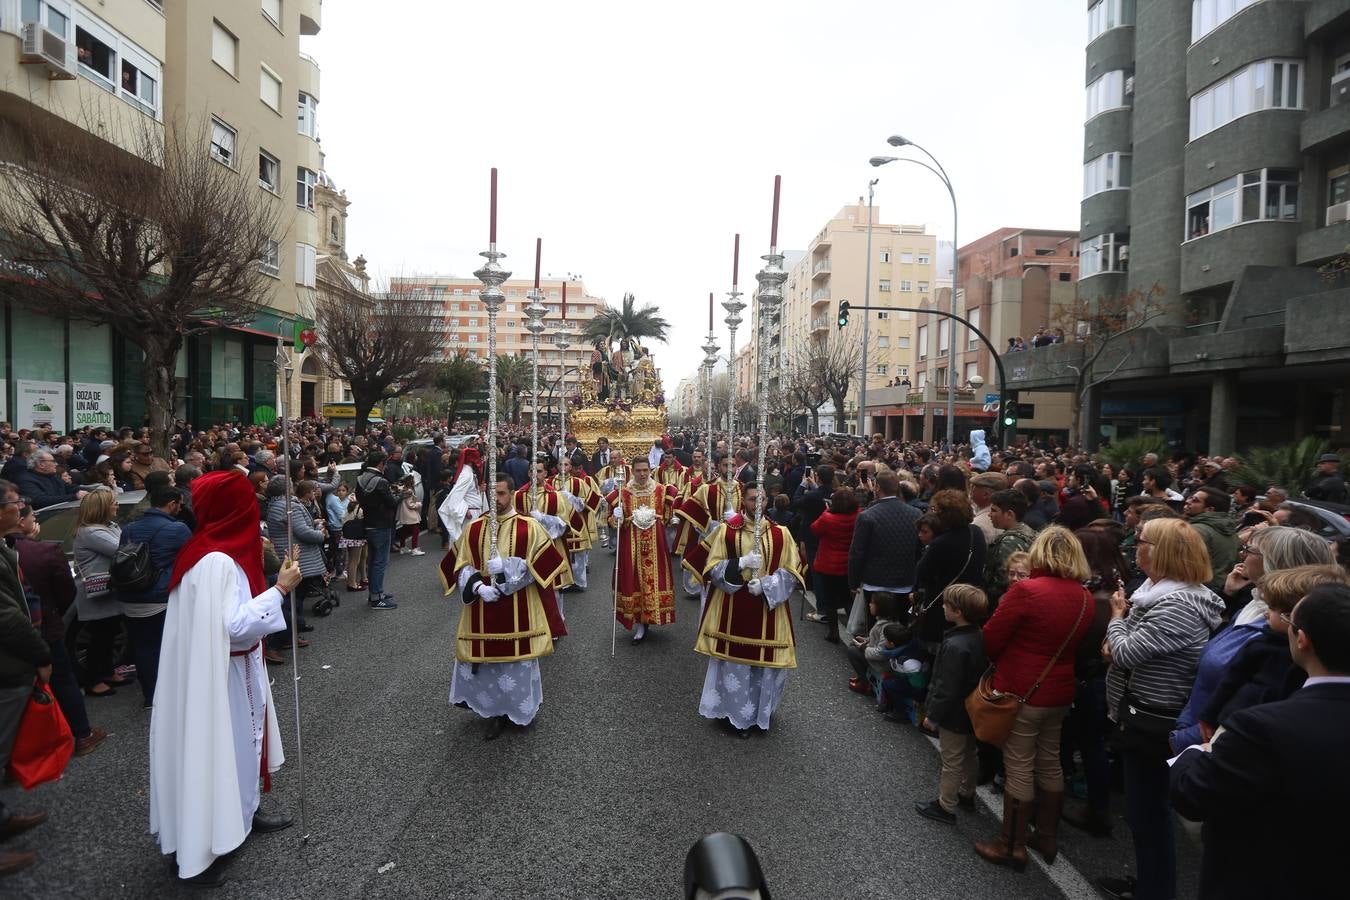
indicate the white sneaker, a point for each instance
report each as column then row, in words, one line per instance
column 403, row 551
column 416, row 552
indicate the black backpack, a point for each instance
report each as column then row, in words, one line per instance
column 132, row 571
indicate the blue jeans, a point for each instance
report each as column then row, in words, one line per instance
column 1149, row 815
column 146, row 634
column 377, row 544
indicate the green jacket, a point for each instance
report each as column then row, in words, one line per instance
column 22, row 649
column 1219, row 532
column 1014, row 540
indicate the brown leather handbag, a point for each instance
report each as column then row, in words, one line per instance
column 993, row 712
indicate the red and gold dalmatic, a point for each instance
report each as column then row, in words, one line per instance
column 646, row 592
column 740, row 627
column 551, row 503
column 518, row 626
column 584, row 490
column 702, row 509
column 671, row 473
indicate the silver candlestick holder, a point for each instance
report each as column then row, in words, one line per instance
column 770, row 297
column 492, row 275
column 734, row 307
column 535, row 311
column 563, row 340
column 709, row 364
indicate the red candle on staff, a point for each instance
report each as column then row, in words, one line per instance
column 564, row 302
column 736, row 262
column 538, row 249
column 492, row 220
column 773, row 234
column 710, row 312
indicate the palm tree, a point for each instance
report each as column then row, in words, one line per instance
column 627, row 325
column 458, row 377
column 513, row 376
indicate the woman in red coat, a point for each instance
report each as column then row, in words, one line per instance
column 1039, row 619
column 834, row 529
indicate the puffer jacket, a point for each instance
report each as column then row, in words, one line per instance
column 308, row 537
column 95, row 549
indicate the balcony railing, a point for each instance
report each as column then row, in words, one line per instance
column 821, row 296
column 822, row 265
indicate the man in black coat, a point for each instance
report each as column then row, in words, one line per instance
column 1328, row 485
column 1271, row 786
column 885, row 542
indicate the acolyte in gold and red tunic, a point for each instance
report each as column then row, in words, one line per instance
column 740, row 627
column 551, row 503
column 701, row 510
column 589, row 495
column 645, row 585
column 517, row 626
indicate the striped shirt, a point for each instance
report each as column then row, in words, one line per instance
column 1155, row 650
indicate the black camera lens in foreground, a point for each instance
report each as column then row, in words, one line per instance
column 723, row 866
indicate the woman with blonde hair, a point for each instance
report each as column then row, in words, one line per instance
column 1031, row 640
column 96, row 537
column 1154, row 642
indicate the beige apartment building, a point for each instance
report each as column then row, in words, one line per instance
column 227, row 72
column 903, row 273
column 463, row 322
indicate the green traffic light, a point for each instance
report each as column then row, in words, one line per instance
column 843, row 313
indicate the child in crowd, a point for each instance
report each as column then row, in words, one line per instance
column 928, row 528
column 409, row 519
column 957, row 667
column 905, row 679
column 866, row 653
column 1018, row 567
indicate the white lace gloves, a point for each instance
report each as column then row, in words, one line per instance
column 495, row 566
column 756, row 586
column 618, row 515
column 487, row 593
column 752, row 561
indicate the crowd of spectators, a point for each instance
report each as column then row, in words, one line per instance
column 1134, row 611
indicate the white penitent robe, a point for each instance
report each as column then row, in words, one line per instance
column 746, row 695
column 211, row 713
column 462, row 505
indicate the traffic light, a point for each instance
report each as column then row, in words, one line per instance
column 843, row 313
column 1009, row 413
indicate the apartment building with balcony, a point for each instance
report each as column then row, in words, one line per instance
column 903, row 273
column 463, row 323
column 229, row 71
column 1217, row 167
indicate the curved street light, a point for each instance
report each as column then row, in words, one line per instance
column 896, row 140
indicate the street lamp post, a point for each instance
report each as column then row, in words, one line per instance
column 896, row 140
column 867, row 298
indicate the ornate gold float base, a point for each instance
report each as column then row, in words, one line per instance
column 630, row 431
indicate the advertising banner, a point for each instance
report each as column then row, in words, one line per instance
column 93, row 404
column 40, row 404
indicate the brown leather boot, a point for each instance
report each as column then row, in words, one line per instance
column 14, row 862
column 1009, row 848
column 1049, row 804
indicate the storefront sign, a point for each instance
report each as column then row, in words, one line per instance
column 93, row 404
column 40, row 404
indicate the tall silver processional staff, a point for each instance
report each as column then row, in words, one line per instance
column 287, row 370
column 709, row 362
column 734, row 307
column 563, row 340
column 770, row 296
column 492, row 275
column 535, row 311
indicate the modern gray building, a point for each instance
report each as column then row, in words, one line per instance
column 1216, row 153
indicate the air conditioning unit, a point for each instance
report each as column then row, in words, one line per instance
column 1338, row 213
column 1123, row 254
column 43, row 47
column 1340, row 88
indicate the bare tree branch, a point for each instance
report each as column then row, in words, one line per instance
column 383, row 344
column 159, row 240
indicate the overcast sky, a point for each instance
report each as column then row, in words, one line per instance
column 636, row 138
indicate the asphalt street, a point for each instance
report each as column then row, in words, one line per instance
column 601, row 797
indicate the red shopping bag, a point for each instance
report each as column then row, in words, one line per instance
column 44, row 743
